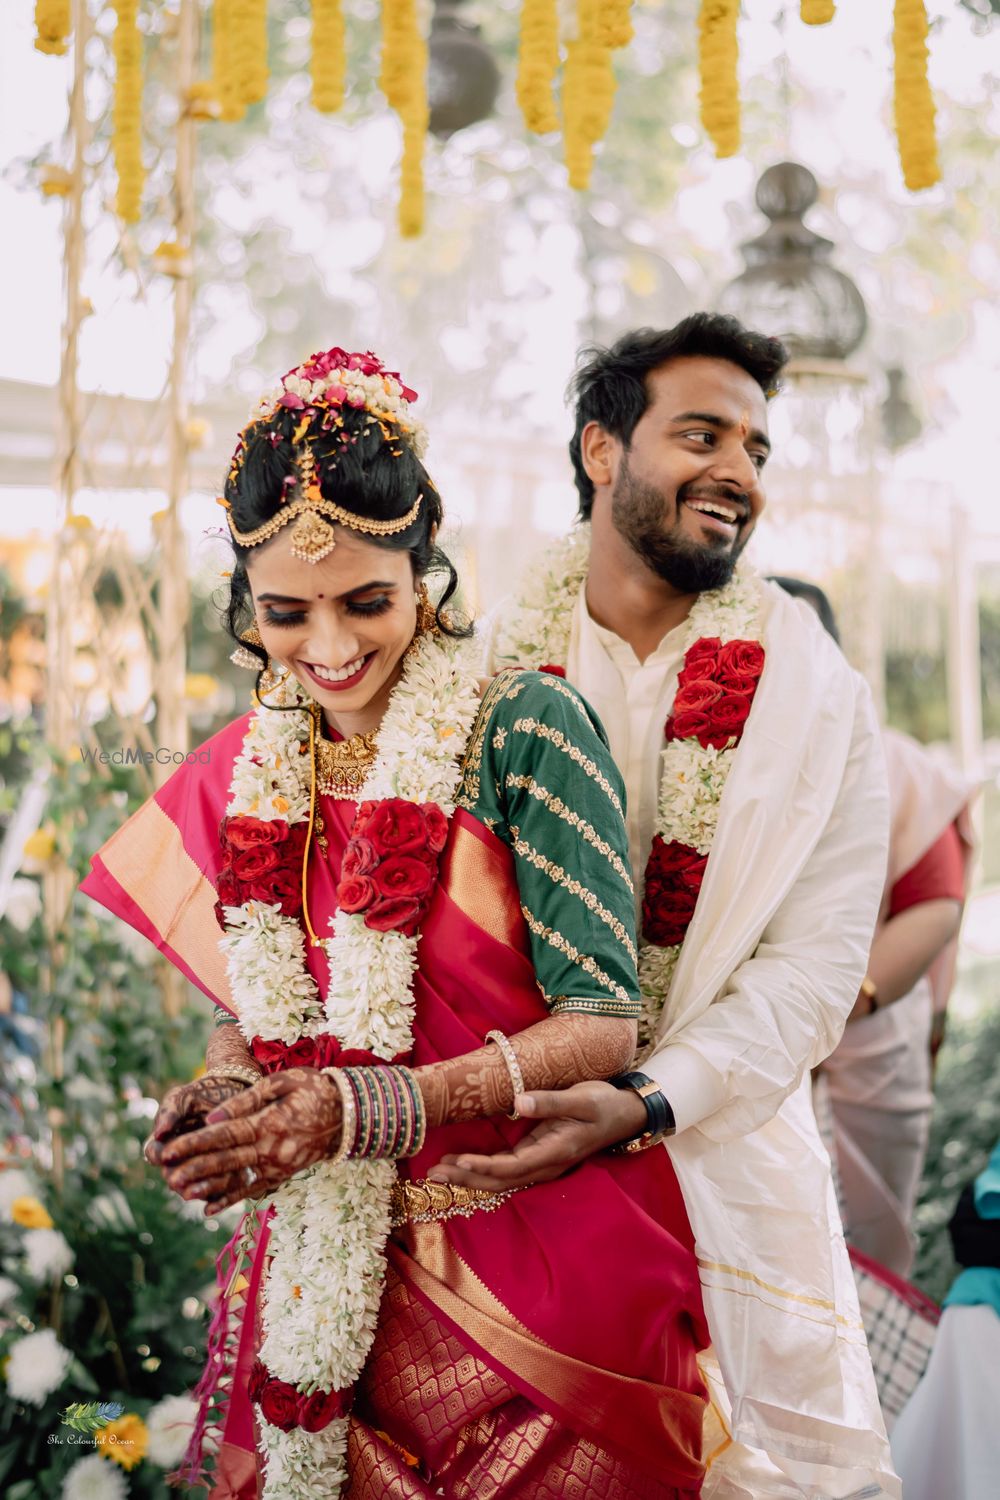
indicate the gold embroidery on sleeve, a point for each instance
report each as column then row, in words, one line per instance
column 565, row 947
column 558, row 807
column 472, row 765
column 558, row 739
column 559, row 876
column 565, row 1005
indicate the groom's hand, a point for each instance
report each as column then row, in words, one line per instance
column 574, row 1123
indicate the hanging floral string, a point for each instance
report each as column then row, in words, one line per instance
column 126, row 139
column 718, row 57
column 253, row 24
column 328, row 60
column 53, row 25
column 537, row 64
column 913, row 101
column 403, row 80
column 225, row 59
column 589, row 82
column 817, row 12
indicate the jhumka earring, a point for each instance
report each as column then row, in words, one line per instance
column 426, row 612
column 241, row 657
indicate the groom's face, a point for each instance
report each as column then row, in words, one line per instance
column 686, row 493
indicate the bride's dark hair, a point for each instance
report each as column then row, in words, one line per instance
column 363, row 463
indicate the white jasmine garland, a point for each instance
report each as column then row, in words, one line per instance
column 95, row 1478
column 325, row 1281
column 36, row 1366
column 47, row 1253
column 168, row 1426
column 536, row 633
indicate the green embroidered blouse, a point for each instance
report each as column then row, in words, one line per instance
column 538, row 773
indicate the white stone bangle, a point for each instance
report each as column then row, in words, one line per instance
column 513, row 1066
column 349, row 1113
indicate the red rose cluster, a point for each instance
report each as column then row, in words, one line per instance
column 323, row 1051
column 715, row 692
column 263, row 862
column 284, row 1406
column 319, row 366
column 391, row 863
column 673, row 881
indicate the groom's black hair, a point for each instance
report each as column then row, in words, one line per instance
column 609, row 386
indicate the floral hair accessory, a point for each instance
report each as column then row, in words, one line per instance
column 330, row 382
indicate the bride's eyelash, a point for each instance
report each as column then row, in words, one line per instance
column 296, row 616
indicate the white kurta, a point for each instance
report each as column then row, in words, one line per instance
column 768, row 974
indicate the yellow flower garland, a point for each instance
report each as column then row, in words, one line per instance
column 817, row 12
column 403, row 80
column 537, row 64
column 913, row 101
column 126, row 138
column 589, row 82
column 226, row 15
column 53, row 24
column 718, row 56
column 328, row 60
column 253, row 23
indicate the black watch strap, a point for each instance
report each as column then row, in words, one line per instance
column 659, row 1116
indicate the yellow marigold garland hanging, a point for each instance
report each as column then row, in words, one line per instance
column 254, row 51
column 327, row 61
column 718, row 58
column 913, row 100
column 613, row 23
column 817, row 12
column 227, row 59
column 403, row 80
column 53, row 25
column 126, row 138
column 589, row 83
column 537, row 64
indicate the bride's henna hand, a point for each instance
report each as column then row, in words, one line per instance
column 184, row 1108
column 254, row 1142
column 554, row 1053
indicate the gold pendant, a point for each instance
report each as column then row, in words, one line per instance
column 341, row 768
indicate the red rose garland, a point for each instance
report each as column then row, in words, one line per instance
column 715, row 692
column 389, row 871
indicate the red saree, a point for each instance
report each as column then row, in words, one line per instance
column 545, row 1347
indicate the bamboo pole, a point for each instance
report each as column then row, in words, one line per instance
column 174, row 601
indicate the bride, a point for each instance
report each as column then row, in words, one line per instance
column 408, row 894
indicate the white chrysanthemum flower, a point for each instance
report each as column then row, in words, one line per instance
column 169, row 1424
column 94, row 1478
column 14, row 1184
column 48, row 1253
column 36, row 1367
column 24, row 903
column 8, row 1291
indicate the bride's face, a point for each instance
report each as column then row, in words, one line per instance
column 341, row 625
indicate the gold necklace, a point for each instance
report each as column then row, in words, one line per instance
column 341, row 767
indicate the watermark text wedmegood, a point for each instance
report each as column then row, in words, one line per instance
column 133, row 755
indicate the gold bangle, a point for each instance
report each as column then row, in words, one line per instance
column 247, row 1076
column 869, row 988
column 513, row 1066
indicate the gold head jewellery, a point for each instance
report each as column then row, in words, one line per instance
column 312, row 535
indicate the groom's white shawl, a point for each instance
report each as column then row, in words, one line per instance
column 769, row 972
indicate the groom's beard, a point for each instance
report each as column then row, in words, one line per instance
column 688, row 566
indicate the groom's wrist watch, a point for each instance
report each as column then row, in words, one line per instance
column 659, row 1116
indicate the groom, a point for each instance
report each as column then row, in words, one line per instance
column 756, row 909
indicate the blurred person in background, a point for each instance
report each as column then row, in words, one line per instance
column 879, row 1079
